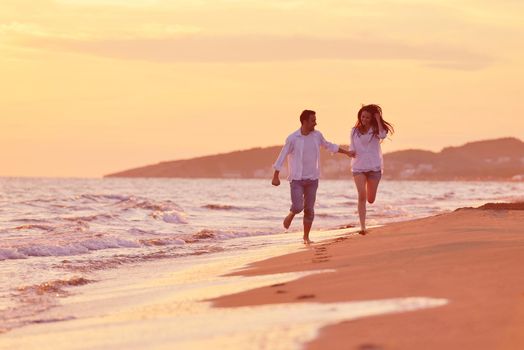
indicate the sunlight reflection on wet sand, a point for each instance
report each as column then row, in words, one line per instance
column 154, row 307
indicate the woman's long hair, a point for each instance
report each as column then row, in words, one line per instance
column 373, row 109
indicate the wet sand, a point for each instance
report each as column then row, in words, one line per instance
column 452, row 281
column 474, row 258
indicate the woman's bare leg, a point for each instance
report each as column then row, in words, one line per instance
column 371, row 189
column 360, row 183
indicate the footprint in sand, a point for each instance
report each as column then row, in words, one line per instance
column 370, row 347
column 321, row 255
column 305, row 296
column 278, row 285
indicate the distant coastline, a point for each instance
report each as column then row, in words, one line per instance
column 489, row 160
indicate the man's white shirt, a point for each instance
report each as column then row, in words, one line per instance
column 303, row 155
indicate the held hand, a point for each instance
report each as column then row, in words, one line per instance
column 352, row 154
column 275, row 181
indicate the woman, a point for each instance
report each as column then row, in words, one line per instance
column 367, row 165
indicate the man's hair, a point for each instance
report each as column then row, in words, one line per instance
column 304, row 116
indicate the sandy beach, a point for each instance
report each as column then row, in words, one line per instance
column 471, row 257
column 451, row 281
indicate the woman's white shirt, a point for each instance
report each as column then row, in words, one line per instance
column 368, row 151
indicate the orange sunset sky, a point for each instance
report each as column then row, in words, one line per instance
column 90, row 87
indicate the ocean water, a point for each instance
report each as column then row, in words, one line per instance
column 56, row 234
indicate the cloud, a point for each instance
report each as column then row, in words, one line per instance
column 263, row 48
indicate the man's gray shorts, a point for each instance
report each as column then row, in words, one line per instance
column 303, row 196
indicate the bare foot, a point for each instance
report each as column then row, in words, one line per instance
column 363, row 232
column 307, row 241
column 287, row 220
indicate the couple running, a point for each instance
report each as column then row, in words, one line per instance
column 302, row 149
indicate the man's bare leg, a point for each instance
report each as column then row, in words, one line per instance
column 307, row 228
column 288, row 219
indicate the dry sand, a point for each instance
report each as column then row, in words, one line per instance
column 472, row 257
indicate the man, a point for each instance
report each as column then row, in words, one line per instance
column 302, row 149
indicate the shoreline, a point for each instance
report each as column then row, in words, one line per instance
column 158, row 295
column 378, row 283
column 473, row 257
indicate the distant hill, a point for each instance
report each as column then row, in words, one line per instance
column 500, row 159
